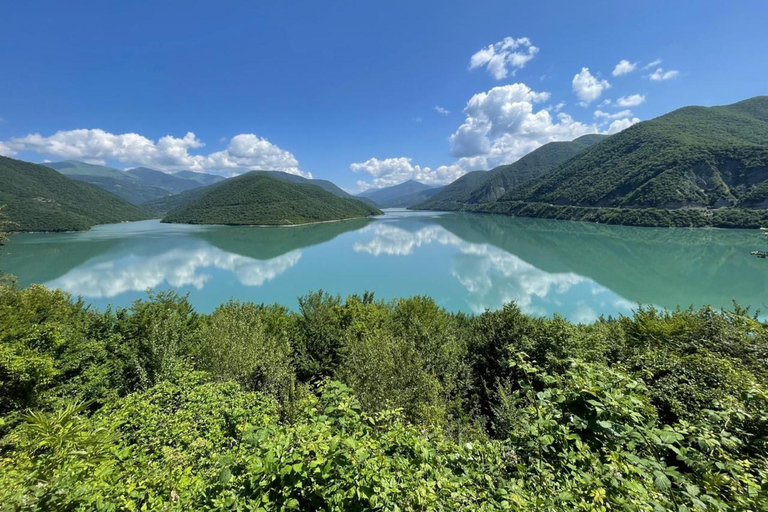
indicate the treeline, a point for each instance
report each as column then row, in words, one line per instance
column 646, row 217
column 360, row 404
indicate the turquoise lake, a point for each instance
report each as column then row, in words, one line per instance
column 466, row 262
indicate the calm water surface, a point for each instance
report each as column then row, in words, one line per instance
column 465, row 262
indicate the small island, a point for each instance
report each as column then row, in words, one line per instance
column 256, row 199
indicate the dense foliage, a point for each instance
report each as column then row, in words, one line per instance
column 261, row 199
column 360, row 404
column 506, row 177
column 40, row 199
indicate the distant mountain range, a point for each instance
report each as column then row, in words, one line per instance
column 405, row 194
column 137, row 185
column 262, row 199
column 40, row 199
column 696, row 166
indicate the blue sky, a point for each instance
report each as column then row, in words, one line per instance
column 327, row 87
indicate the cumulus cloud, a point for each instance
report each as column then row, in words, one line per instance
column 392, row 171
column 588, row 87
column 503, row 124
column 244, row 152
column 621, row 124
column 442, row 110
column 624, row 67
column 504, row 57
column 660, row 74
column 632, row 100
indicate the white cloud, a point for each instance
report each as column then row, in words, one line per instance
column 588, row 87
column 660, row 74
column 617, row 115
column 244, row 152
column 417, row 119
column 442, row 110
column 652, row 64
column 502, row 125
column 621, row 124
column 604, row 103
column 630, row 101
column 624, row 67
column 504, row 57
column 392, row 171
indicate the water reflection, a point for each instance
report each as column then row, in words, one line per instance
column 466, row 262
column 493, row 277
column 177, row 268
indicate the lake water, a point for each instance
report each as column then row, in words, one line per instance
column 466, row 262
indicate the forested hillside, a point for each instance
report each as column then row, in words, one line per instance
column 40, row 199
column 692, row 157
column 260, row 199
column 490, row 186
column 359, row 404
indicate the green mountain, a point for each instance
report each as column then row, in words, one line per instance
column 693, row 157
column 163, row 180
column 483, row 187
column 262, row 199
column 116, row 181
column 403, row 195
column 76, row 168
column 200, row 177
column 41, row 199
column 162, row 206
column 324, row 184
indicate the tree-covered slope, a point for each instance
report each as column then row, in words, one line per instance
column 261, row 199
column 160, row 207
column 492, row 185
column 41, row 199
column 402, row 195
column 451, row 196
column 692, row 157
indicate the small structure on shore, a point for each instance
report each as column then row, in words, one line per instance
column 761, row 254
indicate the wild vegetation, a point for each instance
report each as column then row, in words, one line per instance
column 40, row 199
column 360, row 404
column 260, row 199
